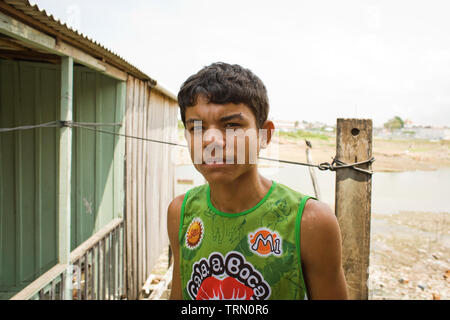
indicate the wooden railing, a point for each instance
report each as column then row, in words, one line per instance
column 97, row 269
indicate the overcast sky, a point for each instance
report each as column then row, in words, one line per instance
column 320, row 60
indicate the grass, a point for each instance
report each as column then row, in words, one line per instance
column 302, row 134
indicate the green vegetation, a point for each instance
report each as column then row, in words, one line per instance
column 302, row 134
column 394, row 123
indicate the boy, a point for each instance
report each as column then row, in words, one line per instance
column 242, row 236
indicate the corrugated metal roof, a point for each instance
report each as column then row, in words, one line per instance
column 43, row 19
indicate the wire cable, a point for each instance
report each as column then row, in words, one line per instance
column 335, row 165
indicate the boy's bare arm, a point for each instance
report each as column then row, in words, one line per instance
column 173, row 225
column 321, row 252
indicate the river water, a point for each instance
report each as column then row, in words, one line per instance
column 392, row 192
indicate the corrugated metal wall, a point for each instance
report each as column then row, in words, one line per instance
column 30, row 94
column 150, row 170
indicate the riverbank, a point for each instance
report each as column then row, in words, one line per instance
column 390, row 155
column 410, row 256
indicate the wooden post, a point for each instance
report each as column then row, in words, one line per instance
column 119, row 174
column 312, row 173
column 353, row 202
column 65, row 169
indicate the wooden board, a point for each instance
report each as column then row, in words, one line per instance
column 128, row 217
column 150, row 181
column 353, row 202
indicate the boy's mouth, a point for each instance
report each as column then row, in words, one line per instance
column 211, row 161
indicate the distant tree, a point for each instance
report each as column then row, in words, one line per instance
column 395, row 123
column 296, row 123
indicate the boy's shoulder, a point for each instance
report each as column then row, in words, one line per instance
column 313, row 209
column 177, row 202
column 198, row 189
column 285, row 188
column 285, row 191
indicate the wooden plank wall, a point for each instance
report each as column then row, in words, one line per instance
column 150, row 170
column 30, row 94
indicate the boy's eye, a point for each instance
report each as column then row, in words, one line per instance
column 232, row 125
column 196, row 128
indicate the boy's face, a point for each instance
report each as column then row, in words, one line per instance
column 224, row 140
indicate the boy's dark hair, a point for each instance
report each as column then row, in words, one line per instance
column 224, row 83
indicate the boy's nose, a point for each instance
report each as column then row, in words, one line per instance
column 213, row 136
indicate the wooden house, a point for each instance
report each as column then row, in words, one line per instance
column 82, row 211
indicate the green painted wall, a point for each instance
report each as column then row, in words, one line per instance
column 30, row 94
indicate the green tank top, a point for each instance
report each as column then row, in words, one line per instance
column 253, row 255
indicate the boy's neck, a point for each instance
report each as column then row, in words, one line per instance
column 241, row 194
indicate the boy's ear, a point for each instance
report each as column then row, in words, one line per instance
column 269, row 128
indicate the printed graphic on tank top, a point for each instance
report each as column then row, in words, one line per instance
column 252, row 255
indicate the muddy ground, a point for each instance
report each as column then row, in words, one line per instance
column 410, row 256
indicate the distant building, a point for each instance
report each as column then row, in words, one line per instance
column 287, row 125
column 414, row 132
column 408, row 123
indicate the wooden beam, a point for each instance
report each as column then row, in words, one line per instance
column 9, row 44
column 63, row 49
column 65, row 169
column 30, row 56
column 128, row 243
column 115, row 72
column 37, row 39
column 353, row 202
column 40, row 283
column 164, row 91
column 19, row 30
column 119, row 151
